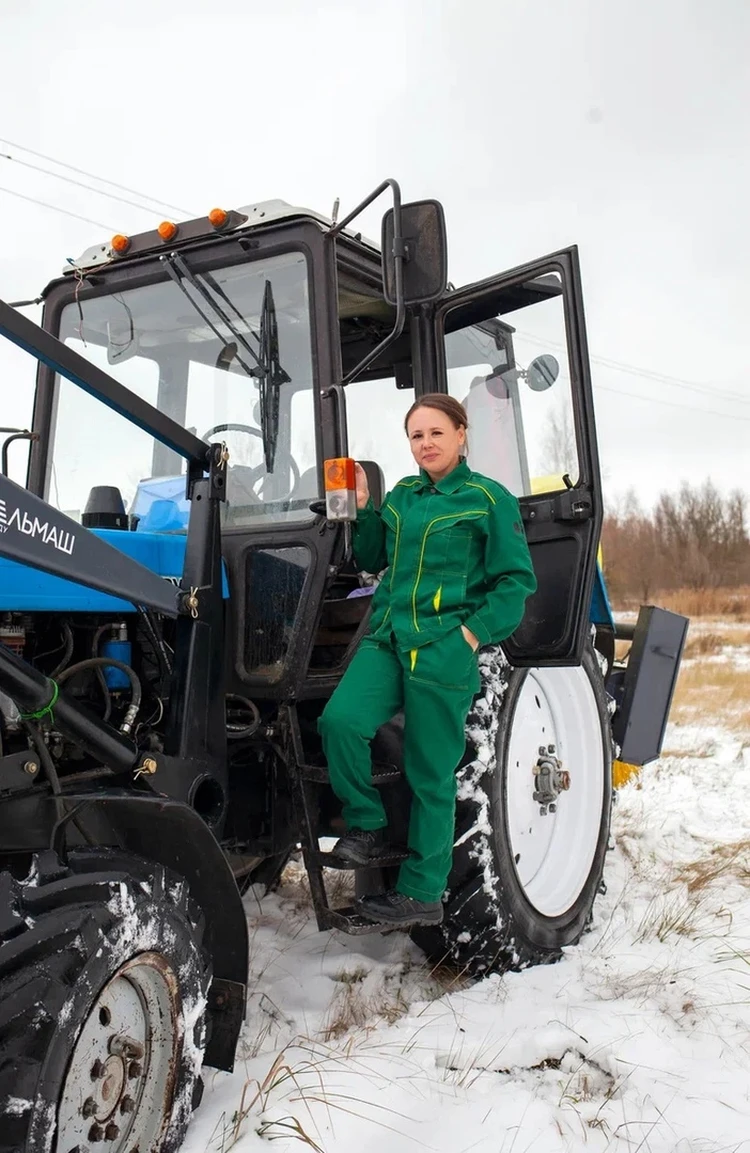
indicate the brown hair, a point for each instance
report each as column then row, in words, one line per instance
column 452, row 408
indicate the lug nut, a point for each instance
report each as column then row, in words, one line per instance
column 134, row 1070
column 126, row 1047
column 128, row 1105
column 89, row 1107
column 111, row 1133
column 96, row 1133
column 97, row 1070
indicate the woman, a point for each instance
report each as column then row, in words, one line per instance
column 459, row 573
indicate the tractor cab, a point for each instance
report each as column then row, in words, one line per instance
column 291, row 340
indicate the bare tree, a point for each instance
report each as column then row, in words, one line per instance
column 558, row 452
column 695, row 538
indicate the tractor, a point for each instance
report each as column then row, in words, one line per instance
column 179, row 597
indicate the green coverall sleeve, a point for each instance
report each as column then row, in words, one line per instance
column 508, row 572
column 368, row 539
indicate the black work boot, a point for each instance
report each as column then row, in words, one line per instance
column 395, row 908
column 361, row 846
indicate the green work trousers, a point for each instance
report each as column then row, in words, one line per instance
column 434, row 685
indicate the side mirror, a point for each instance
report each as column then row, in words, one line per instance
column 542, row 373
column 426, row 251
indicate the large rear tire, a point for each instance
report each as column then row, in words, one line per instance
column 524, row 881
column 103, row 985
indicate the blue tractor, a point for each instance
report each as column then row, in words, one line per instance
column 178, row 602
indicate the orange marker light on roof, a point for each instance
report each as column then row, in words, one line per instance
column 120, row 243
column 218, row 217
column 341, row 488
column 167, row 230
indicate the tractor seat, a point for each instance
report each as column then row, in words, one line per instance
column 375, row 479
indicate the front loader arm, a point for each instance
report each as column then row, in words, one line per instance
column 34, row 533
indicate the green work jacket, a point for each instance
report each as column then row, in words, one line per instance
column 455, row 552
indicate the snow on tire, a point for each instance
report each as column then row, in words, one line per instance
column 103, row 987
column 526, row 870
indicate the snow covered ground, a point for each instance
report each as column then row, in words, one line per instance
column 637, row 1040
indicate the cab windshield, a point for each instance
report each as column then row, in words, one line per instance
column 190, row 345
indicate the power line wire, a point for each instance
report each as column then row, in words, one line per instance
column 55, row 208
column 670, row 403
column 676, row 382
column 93, row 176
column 647, row 373
column 77, row 183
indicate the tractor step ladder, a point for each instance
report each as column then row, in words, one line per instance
column 306, row 781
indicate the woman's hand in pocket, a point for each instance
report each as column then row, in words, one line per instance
column 470, row 638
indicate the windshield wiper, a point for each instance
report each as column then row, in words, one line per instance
column 176, row 265
column 272, row 379
column 267, row 368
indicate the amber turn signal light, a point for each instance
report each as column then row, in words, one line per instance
column 339, row 473
column 341, row 488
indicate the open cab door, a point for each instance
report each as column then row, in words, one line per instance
column 515, row 354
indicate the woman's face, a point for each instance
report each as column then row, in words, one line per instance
column 434, row 441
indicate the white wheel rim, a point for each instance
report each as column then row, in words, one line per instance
column 554, row 853
column 120, row 1081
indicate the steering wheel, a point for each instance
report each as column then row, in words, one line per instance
column 257, row 472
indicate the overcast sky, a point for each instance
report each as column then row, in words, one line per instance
column 619, row 126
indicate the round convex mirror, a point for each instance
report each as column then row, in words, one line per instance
column 542, row 372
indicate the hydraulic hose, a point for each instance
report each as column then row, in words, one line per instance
column 236, row 732
column 68, row 634
column 38, row 696
column 160, row 649
column 109, row 627
column 101, row 662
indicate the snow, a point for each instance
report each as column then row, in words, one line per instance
column 637, row 1040
column 17, row 1106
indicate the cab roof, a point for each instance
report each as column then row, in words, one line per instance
column 248, row 218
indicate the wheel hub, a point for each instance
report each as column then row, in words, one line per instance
column 120, row 1075
column 113, row 1088
column 550, row 779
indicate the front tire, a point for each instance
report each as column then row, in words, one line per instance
column 103, row 985
column 524, row 882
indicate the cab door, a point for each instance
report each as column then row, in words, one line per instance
column 513, row 350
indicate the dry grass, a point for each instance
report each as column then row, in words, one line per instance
column 704, row 645
column 730, row 604
column 365, row 998
column 701, row 641
column 707, row 641
column 673, row 914
column 724, row 861
column 719, row 693
column 295, row 888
